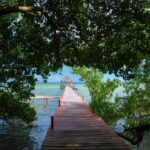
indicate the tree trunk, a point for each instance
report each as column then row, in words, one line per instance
column 23, row 9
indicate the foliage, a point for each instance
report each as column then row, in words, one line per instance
column 12, row 107
column 135, row 105
column 110, row 35
column 38, row 37
column 101, row 93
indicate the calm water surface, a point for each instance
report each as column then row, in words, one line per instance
column 18, row 137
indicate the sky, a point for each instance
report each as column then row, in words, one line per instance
column 57, row 77
column 67, row 71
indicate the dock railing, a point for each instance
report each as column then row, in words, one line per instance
column 45, row 98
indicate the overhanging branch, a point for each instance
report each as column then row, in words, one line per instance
column 135, row 135
column 22, row 9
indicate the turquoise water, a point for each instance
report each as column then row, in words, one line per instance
column 17, row 137
column 44, row 113
column 47, row 89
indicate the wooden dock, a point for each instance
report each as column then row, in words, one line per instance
column 44, row 97
column 76, row 127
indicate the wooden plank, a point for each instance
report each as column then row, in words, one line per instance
column 44, row 97
column 76, row 127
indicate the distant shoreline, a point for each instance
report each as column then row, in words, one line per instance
column 58, row 83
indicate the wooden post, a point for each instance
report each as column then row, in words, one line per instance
column 45, row 101
column 52, row 122
column 59, row 103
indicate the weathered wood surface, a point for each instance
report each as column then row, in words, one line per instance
column 44, row 97
column 76, row 127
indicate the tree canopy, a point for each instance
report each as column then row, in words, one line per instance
column 38, row 37
column 133, row 107
column 101, row 93
column 110, row 35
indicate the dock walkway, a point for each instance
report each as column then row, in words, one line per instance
column 76, row 127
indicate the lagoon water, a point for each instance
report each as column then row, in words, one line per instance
column 17, row 137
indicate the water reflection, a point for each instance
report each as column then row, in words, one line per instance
column 17, row 136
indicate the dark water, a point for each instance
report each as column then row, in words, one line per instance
column 20, row 137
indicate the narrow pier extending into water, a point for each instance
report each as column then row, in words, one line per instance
column 76, row 127
column 45, row 98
